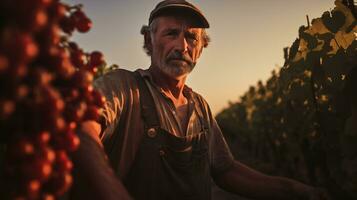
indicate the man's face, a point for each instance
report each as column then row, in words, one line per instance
column 176, row 46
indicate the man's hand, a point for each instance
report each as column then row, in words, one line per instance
column 92, row 129
column 248, row 182
column 317, row 194
column 308, row 192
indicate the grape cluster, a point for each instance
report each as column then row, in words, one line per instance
column 46, row 92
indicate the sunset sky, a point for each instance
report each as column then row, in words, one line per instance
column 248, row 38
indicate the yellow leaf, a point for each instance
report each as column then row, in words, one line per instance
column 347, row 12
column 345, row 39
column 334, row 46
column 308, row 73
column 320, row 45
column 317, row 27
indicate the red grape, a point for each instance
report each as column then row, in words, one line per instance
column 21, row 47
column 4, row 64
column 98, row 98
column 42, row 77
column 60, row 62
column 43, row 138
column 21, row 92
column 96, row 58
column 60, row 183
column 45, row 3
column 81, row 21
column 57, row 11
column 92, row 113
column 84, row 25
column 38, row 20
column 18, row 71
column 82, row 79
column 49, row 36
column 7, row 107
column 75, row 113
column 38, row 169
column 47, row 197
column 33, row 188
column 46, row 83
column 78, row 15
column 67, row 140
column 49, row 100
column 63, row 163
column 21, row 148
column 78, row 58
column 48, row 154
column 67, row 25
column 73, row 46
column 72, row 141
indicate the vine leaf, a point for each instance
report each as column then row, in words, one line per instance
column 317, row 27
column 350, row 19
column 311, row 40
column 334, row 20
column 294, row 49
column 302, row 52
column 352, row 27
column 345, row 39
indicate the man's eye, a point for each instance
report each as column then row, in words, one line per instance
column 171, row 33
column 192, row 37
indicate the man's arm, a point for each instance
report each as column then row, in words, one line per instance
column 248, row 182
column 93, row 176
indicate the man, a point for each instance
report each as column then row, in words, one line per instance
column 160, row 136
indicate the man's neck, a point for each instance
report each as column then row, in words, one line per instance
column 173, row 88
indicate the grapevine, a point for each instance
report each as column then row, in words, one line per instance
column 294, row 124
column 46, row 92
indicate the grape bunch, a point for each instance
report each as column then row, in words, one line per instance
column 45, row 94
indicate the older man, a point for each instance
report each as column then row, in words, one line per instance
column 160, row 136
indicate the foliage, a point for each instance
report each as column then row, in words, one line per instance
column 294, row 124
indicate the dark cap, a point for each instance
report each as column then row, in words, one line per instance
column 170, row 6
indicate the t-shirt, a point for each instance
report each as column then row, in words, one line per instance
column 124, row 126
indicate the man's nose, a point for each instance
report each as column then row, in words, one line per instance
column 181, row 44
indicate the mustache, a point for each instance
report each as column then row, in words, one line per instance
column 180, row 56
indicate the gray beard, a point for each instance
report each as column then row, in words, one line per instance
column 175, row 71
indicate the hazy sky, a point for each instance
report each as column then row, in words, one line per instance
column 248, row 38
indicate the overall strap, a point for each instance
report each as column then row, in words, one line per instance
column 201, row 112
column 148, row 108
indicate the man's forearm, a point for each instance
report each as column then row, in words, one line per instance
column 247, row 182
column 94, row 178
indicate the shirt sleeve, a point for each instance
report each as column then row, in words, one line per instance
column 121, row 132
column 110, row 87
column 220, row 154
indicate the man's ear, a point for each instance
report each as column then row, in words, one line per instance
column 148, row 42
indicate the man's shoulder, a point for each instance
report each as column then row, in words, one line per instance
column 116, row 73
column 202, row 103
column 198, row 97
column 116, row 76
column 116, row 81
